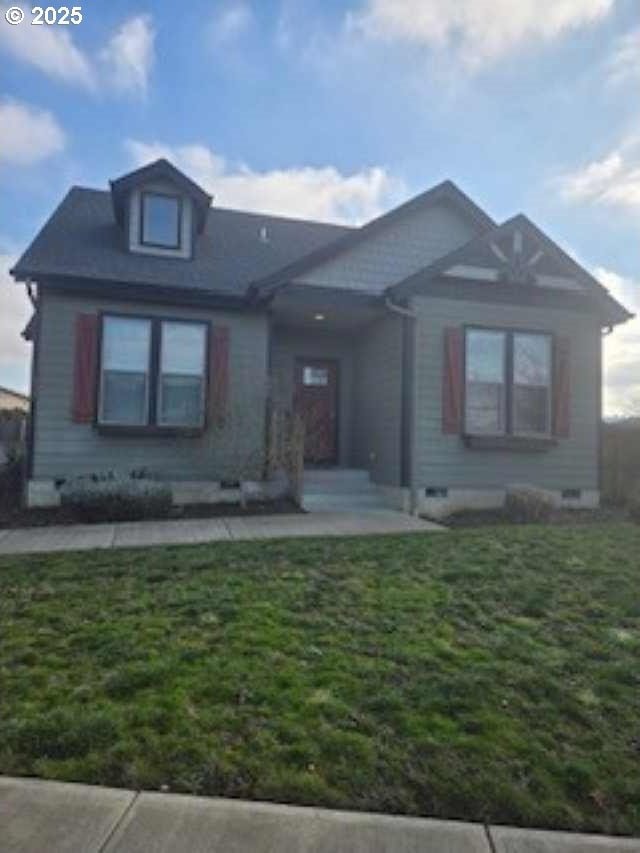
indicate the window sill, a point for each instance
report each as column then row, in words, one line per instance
column 132, row 431
column 525, row 444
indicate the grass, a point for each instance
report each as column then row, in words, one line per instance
column 486, row 675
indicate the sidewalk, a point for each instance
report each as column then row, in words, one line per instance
column 55, row 817
column 140, row 534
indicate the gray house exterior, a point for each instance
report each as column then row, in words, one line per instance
column 445, row 355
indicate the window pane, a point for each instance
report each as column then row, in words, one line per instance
column 124, row 398
column 182, row 374
column 485, row 388
column 182, row 399
column 160, row 220
column 315, row 376
column 126, row 346
column 183, row 348
column 531, row 383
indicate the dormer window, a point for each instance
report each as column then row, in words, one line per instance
column 160, row 220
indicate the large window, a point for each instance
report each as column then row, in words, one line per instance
column 126, row 350
column 531, row 384
column 508, row 383
column 153, row 372
column 160, row 220
column 486, row 382
column 181, row 380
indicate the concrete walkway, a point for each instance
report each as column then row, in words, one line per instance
column 140, row 534
column 38, row 816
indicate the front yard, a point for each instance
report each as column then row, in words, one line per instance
column 486, row 675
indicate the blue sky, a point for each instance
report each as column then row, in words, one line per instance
column 339, row 110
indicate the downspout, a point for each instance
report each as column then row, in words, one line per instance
column 605, row 332
column 412, row 390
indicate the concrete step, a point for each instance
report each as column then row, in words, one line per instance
column 329, row 479
column 343, row 501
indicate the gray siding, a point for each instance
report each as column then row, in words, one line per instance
column 378, row 400
column 63, row 448
column 289, row 344
column 402, row 248
column 444, row 461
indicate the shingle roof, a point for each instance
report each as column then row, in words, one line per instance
column 446, row 191
column 82, row 240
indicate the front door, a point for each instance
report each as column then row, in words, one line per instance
column 316, row 400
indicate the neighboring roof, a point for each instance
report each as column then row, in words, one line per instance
column 159, row 170
column 477, row 249
column 82, row 240
column 447, row 192
column 5, row 390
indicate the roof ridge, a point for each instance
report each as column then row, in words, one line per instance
column 446, row 190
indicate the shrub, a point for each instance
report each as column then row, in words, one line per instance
column 11, row 482
column 116, row 497
column 633, row 504
column 527, row 504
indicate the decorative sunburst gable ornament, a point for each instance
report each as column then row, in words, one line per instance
column 514, row 267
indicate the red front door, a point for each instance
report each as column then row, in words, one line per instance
column 316, row 400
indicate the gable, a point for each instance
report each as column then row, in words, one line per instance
column 514, row 255
column 402, row 247
column 517, row 255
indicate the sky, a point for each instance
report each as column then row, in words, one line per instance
column 338, row 111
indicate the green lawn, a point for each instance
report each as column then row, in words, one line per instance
column 487, row 675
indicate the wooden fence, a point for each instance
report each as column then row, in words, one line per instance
column 620, row 461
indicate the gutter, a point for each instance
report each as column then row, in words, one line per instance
column 409, row 393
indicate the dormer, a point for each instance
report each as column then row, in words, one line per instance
column 160, row 210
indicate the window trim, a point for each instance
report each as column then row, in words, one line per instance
column 152, row 427
column 509, row 436
column 169, row 247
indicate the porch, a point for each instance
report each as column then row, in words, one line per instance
column 336, row 359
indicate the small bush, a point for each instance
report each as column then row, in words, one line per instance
column 116, row 497
column 528, row 504
column 11, row 482
column 633, row 504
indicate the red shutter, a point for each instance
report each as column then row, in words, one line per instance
column 562, row 387
column 452, row 381
column 84, row 370
column 219, row 374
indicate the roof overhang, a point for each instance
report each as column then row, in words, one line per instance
column 324, row 309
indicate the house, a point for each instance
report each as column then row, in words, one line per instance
column 13, row 400
column 442, row 354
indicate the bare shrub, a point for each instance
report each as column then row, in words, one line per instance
column 527, row 504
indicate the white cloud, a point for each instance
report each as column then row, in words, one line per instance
column 232, row 21
column 622, row 348
column 613, row 180
column 50, row 49
column 28, row 134
column 477, row 31
column 129, row 55
column 315, row 193
column 15, row 310
column 122, row 65
column 624, row 63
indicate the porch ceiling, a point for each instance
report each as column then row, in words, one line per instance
column 325, row 308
